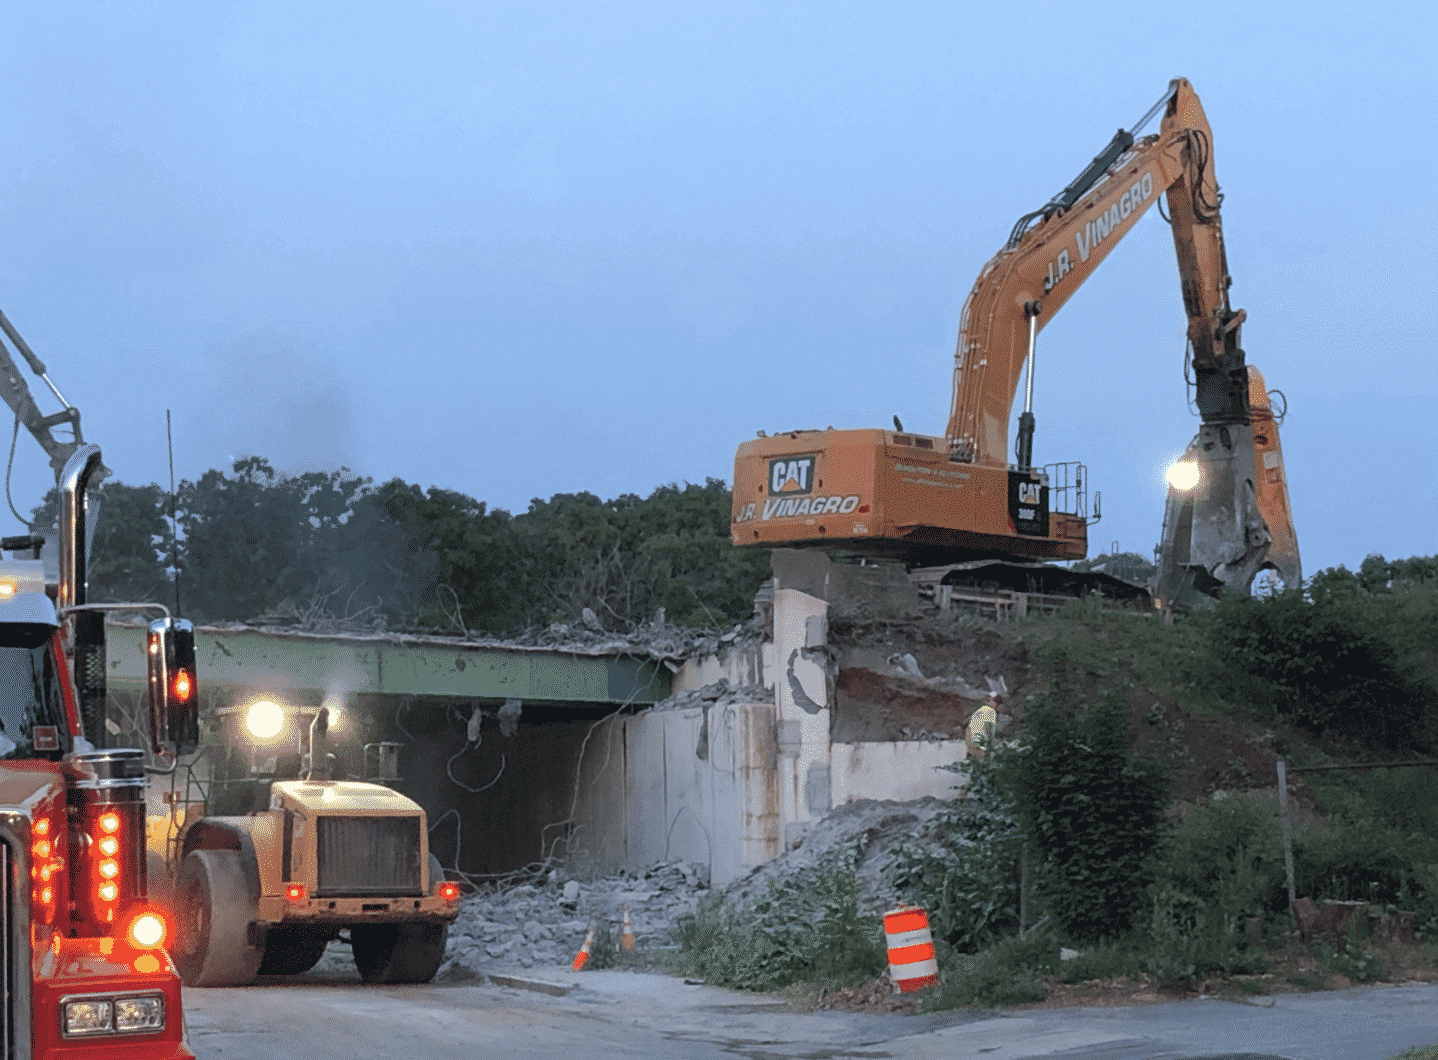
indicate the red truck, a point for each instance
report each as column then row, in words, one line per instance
column 84, row 973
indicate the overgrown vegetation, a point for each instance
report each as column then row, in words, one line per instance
column 804, row 928
column 1172, row 894
column 332, row 547
column 1345, row 657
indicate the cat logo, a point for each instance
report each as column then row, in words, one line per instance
column 791, row 475
column 1028, row 504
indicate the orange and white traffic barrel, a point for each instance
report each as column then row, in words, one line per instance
column 912, row 964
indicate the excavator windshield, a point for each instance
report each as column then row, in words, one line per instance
column 32, row 707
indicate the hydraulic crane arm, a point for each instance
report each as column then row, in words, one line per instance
column 1052, row 251
column 17, row 396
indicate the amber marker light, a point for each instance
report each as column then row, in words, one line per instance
column 109, row 822
column 183, row 686
column 146, row 963
column 8, row 589
column 449, row 891
column 108, row 892
column 295, row 892
column 109, row 846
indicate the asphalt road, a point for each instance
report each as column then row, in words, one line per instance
column 629, row 1015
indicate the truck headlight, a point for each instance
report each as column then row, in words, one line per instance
column 264, row 720
column 139, row 1013
column 87, row 1017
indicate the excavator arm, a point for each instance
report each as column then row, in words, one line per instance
column 1235, row 521
column 17, row 396
column 1052, row 251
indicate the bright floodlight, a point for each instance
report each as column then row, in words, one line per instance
column 264, row 719
column 1183, row 475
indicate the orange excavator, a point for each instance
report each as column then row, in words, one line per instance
column 959, row 498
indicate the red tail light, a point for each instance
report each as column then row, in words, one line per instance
column 183, row 686
column 295, row 892
column 449, row 891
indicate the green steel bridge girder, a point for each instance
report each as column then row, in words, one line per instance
column 311, row 666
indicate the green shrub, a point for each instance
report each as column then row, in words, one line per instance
column 1092, row 810
column 1424, row 899
column 1405, row 799
column 964, row 872
column 1351, row 957
column 1105, row 961
column 1190, row 939
column 804, row 928
column 1357, row 861
column 1334, row 659
column 1008, row 973
column 1227, row 853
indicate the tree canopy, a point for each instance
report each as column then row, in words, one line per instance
column 254, row 542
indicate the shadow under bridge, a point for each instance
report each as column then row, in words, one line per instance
column 491, row 734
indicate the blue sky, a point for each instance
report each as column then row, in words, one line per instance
column 521, row 249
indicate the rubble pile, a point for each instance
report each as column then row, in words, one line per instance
column 543, row 926
column 868, row 829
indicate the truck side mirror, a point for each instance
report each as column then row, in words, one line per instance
column 174, row 691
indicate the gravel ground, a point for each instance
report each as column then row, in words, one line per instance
column 536, row 927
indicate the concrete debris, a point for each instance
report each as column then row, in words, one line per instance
column 907, row 663
column 658, row 639
column 872, row 830
column 543, row 926
column 718, row 694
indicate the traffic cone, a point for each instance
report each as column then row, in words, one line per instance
column 582, row 957
column 626, row 934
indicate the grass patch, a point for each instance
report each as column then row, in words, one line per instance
column 1009, row 973
column 1108, row 961
column 1418, row 1052
column 807, row 928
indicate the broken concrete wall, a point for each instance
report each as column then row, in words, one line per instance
column 693, row 785
column 746, row 662
column 899, row 770
column 802, row 700
column 712, row 776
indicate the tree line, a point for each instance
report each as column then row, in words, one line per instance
column 331, row 547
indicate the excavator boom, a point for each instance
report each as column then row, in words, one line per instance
column 1044, row 263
